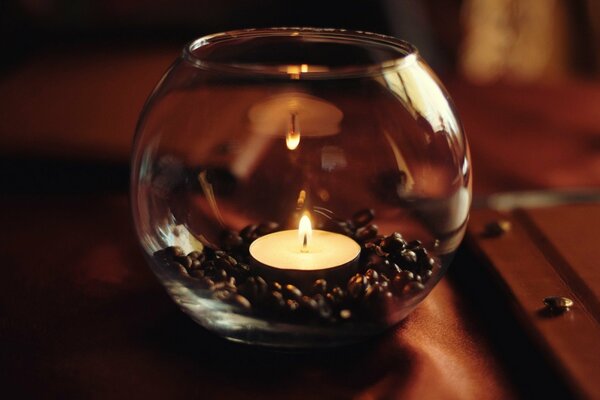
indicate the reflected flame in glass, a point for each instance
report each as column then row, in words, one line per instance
column 295, row 70
column 292, row 138
column 301, row 199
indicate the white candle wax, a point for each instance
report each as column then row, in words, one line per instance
column 284, row 251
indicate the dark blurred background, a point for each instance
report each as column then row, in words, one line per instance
column 75, row 74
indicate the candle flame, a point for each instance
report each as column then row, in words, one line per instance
column 304, row 233
column 292, row 139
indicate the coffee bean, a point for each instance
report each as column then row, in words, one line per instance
column 406, row 275
column 421, row 252
column 292, row 305
column 345, row 314
column 196, row 255
column 228, row 262
column 415, row 244
column 240, row 272
column 357, row 285
column 255, row 288
column 431, row 263
column 370, row 293
column 427, row 275
column 383, row 290
column 266, row 228
column 240, row 301
column 229, row 240
column 337, row 226
column 291, row 292
column 379, row 263
column 223, row 295
column 412, row 289
column 377, row 240
column 224, row 285
column 174, row 251
column 379, row 251
column 496, row 228
column 196, row 264
column 243, row 267
column 223, row 263
column 392, row 270
column 402, row 279
column 383, row 277
column 275, row 300
column 384, row 285
column 185, row 261
column 324, row 310
column 174, row 265
column 336, row 296
column 248, row 234
column 216, row 274
column 209, row 252
column 261, row 286
column 367, row 232
column 320, row 286
column 221, row 254
column 394, row 243
column 376, row 293
column 197, row 273
column 208, row 282
column 309, row 304
column 558, row 304
column 242, row 251
column 249, row 288
column 372, row 276
column 409, row 256
column 205, row 283
column 363, row 217
column 374, row 259
column 277, row 286
column 370, row 247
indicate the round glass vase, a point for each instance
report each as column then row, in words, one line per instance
column 299, row 187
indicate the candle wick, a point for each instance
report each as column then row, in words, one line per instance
column 305, row 244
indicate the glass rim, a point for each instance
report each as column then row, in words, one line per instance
column 406, row 52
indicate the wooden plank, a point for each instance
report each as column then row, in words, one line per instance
column 570, row 235
column 529, row 273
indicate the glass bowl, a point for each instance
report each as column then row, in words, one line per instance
column 299, row 187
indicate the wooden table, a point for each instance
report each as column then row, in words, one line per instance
column 82, row 316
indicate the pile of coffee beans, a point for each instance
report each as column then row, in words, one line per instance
column 391, row 270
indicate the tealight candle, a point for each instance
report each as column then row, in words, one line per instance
column 305, row 251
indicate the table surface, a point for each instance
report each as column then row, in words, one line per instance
column 82, row 315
